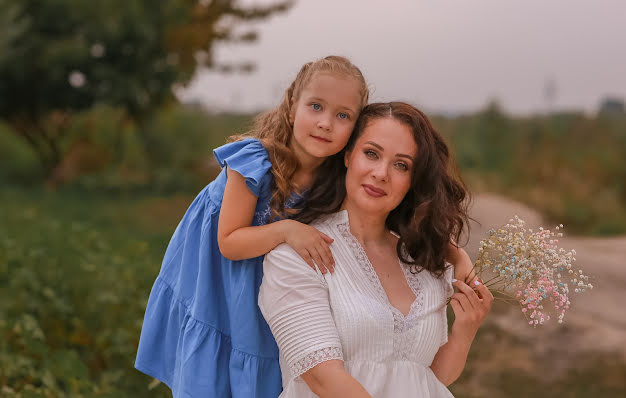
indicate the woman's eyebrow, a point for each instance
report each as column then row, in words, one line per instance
column 400, row 155
column 375, row 144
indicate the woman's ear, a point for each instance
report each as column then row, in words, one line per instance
column 346, row 159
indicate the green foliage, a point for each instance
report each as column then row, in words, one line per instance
column 65, row 56
column 18, row 163
column 105, row 151
column 74, row 280
column 568, row 166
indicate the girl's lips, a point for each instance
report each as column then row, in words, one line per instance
column 373, row 191
column 321, row 139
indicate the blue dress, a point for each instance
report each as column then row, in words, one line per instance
column 203, row 333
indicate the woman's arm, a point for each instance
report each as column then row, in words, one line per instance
column 470, row 308
column 238, row 240
column 461, row 261
column 329, row 379
column 295, row 302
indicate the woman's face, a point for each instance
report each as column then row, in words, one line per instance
column 379, row 166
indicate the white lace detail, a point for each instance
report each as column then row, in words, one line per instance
column 361, row 258
column 313, row 359
column 401, row 323
column 417, row 307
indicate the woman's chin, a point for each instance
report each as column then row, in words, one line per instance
column 371, row 206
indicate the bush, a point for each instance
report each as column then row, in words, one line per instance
column 18, row 162
column 74, row 281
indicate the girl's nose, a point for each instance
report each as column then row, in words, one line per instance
column 324, row 122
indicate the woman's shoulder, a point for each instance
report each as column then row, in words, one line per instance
column 330, row 222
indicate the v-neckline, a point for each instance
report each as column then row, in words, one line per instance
column 374, row 278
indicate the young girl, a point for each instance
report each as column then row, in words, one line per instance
column 203, row 334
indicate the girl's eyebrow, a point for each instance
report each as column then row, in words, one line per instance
column 400, row 155
column 349, row 110
column 318, row 99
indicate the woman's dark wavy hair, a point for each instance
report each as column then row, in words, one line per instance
column 434, row 210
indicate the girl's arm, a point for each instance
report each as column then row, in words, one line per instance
column 238, row 240
column 470, row 308
column 329, row 379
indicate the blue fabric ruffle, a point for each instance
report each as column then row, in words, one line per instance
column 249, row 158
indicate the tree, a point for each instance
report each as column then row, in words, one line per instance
column 60, row 57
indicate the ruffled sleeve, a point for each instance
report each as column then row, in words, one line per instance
column 247, row 157
column 295, row 303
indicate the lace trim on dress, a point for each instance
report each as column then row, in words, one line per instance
column 401, row 323
column 417, row 307
column 363, row 260
column 313, row 359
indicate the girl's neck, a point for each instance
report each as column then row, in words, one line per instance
column 369, row 228
column 307, row 167
column 303, row 180
column 305, row 173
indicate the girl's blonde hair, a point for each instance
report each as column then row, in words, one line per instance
column 274, row 128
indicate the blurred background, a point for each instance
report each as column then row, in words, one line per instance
column 109, row 111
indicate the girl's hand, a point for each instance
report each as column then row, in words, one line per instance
column 470, row 308
column 312, row 245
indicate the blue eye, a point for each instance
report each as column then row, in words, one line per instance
column 343, row 115
column 316, row 107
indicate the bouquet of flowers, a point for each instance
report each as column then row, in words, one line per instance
column 529, row 268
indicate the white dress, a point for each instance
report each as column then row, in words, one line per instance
column 346, row 315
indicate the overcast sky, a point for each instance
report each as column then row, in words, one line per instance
column 442, row 55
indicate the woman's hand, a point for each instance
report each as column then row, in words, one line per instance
column 470, row 308
column 312, row 245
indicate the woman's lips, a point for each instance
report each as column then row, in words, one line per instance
column 373, row 191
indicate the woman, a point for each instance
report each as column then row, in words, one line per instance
column 377, row 327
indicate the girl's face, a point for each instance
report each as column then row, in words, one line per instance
column 323, row 116
column 380, row 166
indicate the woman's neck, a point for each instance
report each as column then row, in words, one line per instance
column 367, row 227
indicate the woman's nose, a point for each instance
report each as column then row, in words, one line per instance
column 380, row 171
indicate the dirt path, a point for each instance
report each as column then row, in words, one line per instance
column 596, row 322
